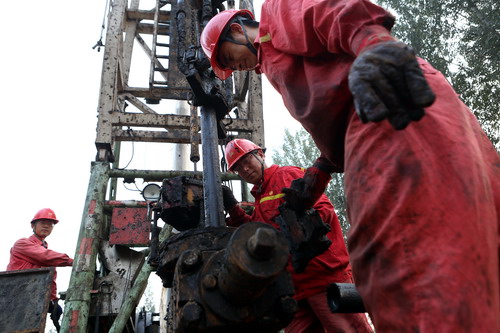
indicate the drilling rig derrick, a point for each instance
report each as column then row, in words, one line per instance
column 219, row 279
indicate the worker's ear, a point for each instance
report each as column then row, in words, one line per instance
column 236, row 28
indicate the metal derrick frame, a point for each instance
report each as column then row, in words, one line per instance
column 125, row 26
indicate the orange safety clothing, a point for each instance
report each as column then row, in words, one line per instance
column 28, row 253
column 329, row 267
column 307, row 56
column 424, row 202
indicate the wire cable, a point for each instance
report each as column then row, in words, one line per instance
column 103, row 25
column 131, row 134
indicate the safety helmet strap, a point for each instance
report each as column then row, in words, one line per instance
column 255, row 154
column 226, row 36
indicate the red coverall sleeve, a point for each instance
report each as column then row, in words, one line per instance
column 38, row 255
column 290, row 174
column 310, row 27
column 237, row 216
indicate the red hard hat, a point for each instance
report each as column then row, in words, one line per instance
column 210, row 37
column 238, row 148
column 45, row 214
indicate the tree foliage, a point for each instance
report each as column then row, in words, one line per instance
column 298, row 149
column 462, row 40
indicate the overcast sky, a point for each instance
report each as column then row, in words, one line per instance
column 49, row 88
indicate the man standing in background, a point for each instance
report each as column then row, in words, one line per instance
column 248, row 160
column 33, row 252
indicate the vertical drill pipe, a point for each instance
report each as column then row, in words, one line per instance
column 244, row 191
column 194, row 135
column 212, row 191
column 180, row 21
column 76, row 307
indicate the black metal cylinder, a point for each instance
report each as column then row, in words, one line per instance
column 211, row 173
column 344, row 298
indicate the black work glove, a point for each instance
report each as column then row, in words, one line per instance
column 387, row 83
column 304, row 192
column 228, row 198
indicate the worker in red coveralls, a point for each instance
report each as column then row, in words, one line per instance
column 422, row 180
column 33, row 252
column 248, row 160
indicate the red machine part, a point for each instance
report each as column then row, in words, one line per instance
column 129, row 226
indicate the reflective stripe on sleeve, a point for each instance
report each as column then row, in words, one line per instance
column 272, row 197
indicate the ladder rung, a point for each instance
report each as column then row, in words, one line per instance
column 162, row 56
column 163, row 70
column 163, row 44
column 162, row 3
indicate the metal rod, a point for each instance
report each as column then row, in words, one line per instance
column 154, row 242
column 212, row 190
column 195, row 136
column 76, row 308
column 113, row 184
column 153, row 51
column 159, row 175
column 244, row 191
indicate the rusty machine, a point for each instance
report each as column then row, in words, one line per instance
column 221, row 279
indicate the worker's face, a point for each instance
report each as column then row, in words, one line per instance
column 42, row 228
column 234, row 56
column 249, row 167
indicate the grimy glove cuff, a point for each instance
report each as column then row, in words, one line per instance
column 369, row 36
column 387, row 83
column 304, row 192
column 324, row 165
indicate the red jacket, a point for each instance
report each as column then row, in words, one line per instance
column 331, row 266
column 297, row 44
column 29, row 253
